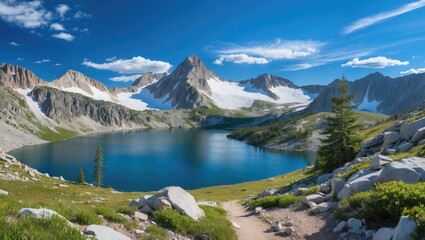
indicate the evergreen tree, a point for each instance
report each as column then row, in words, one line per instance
column 81, row 177
column 342, row 143
column 98, row 167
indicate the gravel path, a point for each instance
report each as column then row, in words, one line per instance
column 251, row 227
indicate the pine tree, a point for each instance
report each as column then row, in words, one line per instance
column 81, row 177
column 98, row 167
column 342, row 143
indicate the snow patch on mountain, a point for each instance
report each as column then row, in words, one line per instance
column 34, row 107
column 370, row 106
column 232, row 95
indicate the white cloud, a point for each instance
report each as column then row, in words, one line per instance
column 280, row 49
column 127, row 66
column 58, row 64
column 42, row 61
column 24, row 14
column 65, row 36
column 20, row 59
column 240, row 58
column 57, row 27
column 80, row 14
column 413, row 71
column 14, row 44
column 62, row 9
column 368, row 21
column 375, row 62
column 125, row 78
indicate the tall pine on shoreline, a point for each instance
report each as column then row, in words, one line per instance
column 98, row 167
column 342, row 142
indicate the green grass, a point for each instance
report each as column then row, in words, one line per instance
column 155, row 233
column 374, row 131
column 418, row 151
column 244, row 190
column 60, row 134
column 215, row 225
column 282, row 201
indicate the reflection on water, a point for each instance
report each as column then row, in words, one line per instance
column 150, row 160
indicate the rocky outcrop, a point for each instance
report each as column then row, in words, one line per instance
column 409, row 170
column 15, row 77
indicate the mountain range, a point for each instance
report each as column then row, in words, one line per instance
column 192, row 85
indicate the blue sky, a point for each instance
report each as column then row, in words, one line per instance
column 309, row 42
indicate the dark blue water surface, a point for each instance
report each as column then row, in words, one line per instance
column 151, row 160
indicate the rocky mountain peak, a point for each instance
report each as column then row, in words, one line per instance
column 75, row 79
column 148, row 78
column 15, row 76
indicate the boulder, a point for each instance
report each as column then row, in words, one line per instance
column 311, row 205
column 146, row 209
column 207, row 203
column 337, row 184
column 325, row 187
column 390, row 151
column 325, row 206
column 258, row 210
column 390, row 138
column 315, row 198
column 141, row 216
column 235, row 225
column 160, row 202
column 419, row 135
column 39, row 212
column 323, row 178
column 363, row 182
column 341, row 225
column 339, row 171
column 379, row 161
column 375, row 141
column 105, row 233
column 409, row 129
column 182, row 201
column 405, row 147
column 354, row 225
column 289, row 230
column 422, row 142
column 146, row 200
column 3, row 192
column 369, row 233
column 269, row 192
column 277, row 227
column 134, row 203
column 408, row 170
column 404, row 228
column 383, row 234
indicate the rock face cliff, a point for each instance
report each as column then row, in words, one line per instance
column 184, row 85
column 377, row 93
column 15, row 77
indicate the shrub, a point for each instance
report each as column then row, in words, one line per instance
column 384, row 203
column 111, row 215
column 282, row 201
column 214, row 225
column 156, row 232
column 310, row 190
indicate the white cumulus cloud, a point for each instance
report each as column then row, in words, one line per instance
column 15, row 44
column 20, row 59
column 80, row 14
column 375, row 62
column 240, row 58
column 279, row 49
column 64, row 36
column 368, row 21
column 42, row 61
column 58, row 64
column 125, row 78
column 413, row 71
column 25, row 14
column 62, row 9
column 128, row 66
column 57, row 27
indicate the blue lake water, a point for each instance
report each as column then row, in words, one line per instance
column 151, row 160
